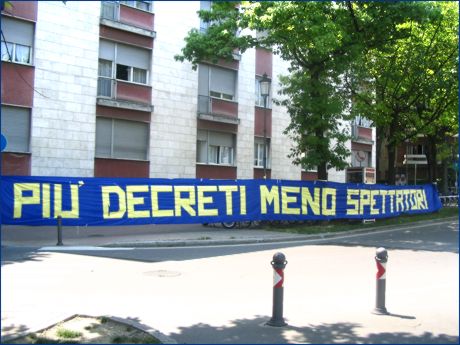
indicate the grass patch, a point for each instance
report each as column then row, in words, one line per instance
column 338, row 225
column 67, row 333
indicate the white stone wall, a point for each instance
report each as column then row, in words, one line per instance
column 175, row 93
column 281, row 164
column 246, row 103
column 66, row 63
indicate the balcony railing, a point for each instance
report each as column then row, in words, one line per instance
column 105, row 87
column 110, row 10
column 216, row 109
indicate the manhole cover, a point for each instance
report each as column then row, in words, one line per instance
column 162, row 273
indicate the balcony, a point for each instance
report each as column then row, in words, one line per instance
column 125, row 95
column 218, row 110
column 126, row 18
column 361, row 134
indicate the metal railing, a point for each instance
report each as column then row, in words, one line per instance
column 105, row 87
column 110, row 10
column 449, row 200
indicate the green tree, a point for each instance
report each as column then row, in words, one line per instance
column 320, row 40
column 411, row 84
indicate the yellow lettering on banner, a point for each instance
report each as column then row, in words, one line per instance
column 399, row 201
column 242, row 200
column 46, row 200
column 374, row 210
column 202, row 200
column 352, row 202
column 20, row 199
column 269, row 197
column 425, row 200
column 132, row 201
column 106, row 191
column 406, row 193
column 414, row 204
column 74, row 211
column 383, row 193
column 307, row 200
column 285, row 200
column 228, row 197
column 422, row 200
column 332, row 193
column 184, row 203
column 365, row 200
column 392, row 193
column 156, row 212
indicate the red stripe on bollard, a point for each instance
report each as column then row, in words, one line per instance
column 380, row 270
column 278, row 278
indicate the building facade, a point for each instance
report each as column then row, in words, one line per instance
column 93, row 89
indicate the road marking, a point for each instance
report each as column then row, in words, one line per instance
column 77, row 248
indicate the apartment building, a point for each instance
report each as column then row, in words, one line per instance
column 92, row 89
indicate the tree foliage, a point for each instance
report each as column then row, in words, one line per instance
column 409, row 88
column 329, row 46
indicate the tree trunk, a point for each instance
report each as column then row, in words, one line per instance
column 322, row 171
column 391, row 164
column 445, row 177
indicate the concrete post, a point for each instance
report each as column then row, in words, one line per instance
column 59, row 231
column 279, row 263
column 381, row 259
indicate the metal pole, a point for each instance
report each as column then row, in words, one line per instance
column 59, row 231
column 381, row 259
column 265, row 137
column 279, row 263
column 415, row 177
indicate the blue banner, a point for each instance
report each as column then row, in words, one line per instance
column 31, row 200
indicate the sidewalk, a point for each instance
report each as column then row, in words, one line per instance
column 329, row 293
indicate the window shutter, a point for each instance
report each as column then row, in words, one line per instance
column 130, row 139
column 132, row 56
column 107, row 50
column 103, row 137
column 221, row 139
column 18, row 31
column 16, row 128
column 223, row 80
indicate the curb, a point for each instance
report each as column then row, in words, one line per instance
column 326, row 235
column 135, row 324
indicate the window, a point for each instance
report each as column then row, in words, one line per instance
column 109, row 10
column 204, row 6
column 122, row 62
column 141, row 5
column 215, row 147
column 259, row 152
column 17, row 40
column 413, row 149
column 16, row 128
column 121, row 139
column 259, row 98
column 362, row 122
column 217, row 82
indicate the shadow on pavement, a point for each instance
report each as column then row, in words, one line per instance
column 11, row 255
column 253, row 331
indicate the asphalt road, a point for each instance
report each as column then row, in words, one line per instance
column 440, row 237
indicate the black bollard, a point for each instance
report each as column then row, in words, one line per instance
column 381, row 259
column 279, row 263
column 59, row 231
